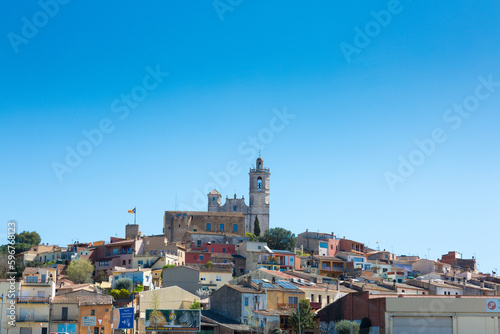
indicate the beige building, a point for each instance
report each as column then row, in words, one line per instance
column 177, row 223
column 213, row 279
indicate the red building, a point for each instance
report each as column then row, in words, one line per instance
column 347, row 245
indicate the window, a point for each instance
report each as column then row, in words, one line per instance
column 312, row 298
column 328, row 300
column 246, row 301
column 129, row 261
column 235, row 227
column 223, row 250
column 139, row 262
column 96, row 330
column 235, row 208
column 41, row 294
column 222, row 227
column 293, row 300
column 213, row 198
column 201, row 257
column 206, row 249
column 92, row 312
column 211, row 249
column 202, row 278
column 319, row 299
column 64, row 314
column 209, row 226
column 259, row 247
column 259, row 183
column 124, row 262
column 218, row 278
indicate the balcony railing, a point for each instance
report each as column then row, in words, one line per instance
column 286, row 306
column 65, row 319
column 40, row 281
column 33, row 319
column 34, row 300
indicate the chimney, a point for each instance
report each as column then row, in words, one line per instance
column 260, row 286
column 338, row 285
column 482, row 284
column 249, row 281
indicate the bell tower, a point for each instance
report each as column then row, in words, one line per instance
column 259, row 196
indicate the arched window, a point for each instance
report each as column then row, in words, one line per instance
column 259, row 183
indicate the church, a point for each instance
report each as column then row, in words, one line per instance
column 259, row 199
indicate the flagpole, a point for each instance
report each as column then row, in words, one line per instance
column 135, row 215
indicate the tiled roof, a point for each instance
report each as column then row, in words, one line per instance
column 206, row 213
column 98, row 299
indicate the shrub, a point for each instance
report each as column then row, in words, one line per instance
column 344, row 327
column 124, row 283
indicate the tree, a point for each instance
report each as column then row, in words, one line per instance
column 256, row 227
column 347, row 327
column 306, row 316
column 102, row 276
column 80, row 271
column 26, row 237
column 252, row 237
column 195, row 305
column 280, row 239
column 275, row 330
column 124, row 283
column 24, row 241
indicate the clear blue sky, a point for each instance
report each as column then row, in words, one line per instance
column 230, row 70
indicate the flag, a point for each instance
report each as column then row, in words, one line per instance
column 131, row 211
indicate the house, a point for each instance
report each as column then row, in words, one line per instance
column 118, row 254
column 212, row 278
column 424, row 266
column 412, row 314
column 381, row 256
column 329, row 266
column 316, row 243
column 64, row 314
column 346, row 245
column 91, row 304
column 455, row 259
column 255, row 252
column 37, row 287
column 258, row 302
column 397, row 276
column 187, row 278
column 139, row 276
column 354, row 260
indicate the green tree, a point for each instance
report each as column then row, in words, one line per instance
column 208, row 265
column 124, row 283
column 306, row 316
column 195, row 305
column 102, row 276
column 280, row 239
column 347, row 327
column 256, row 227
column 80, row 271
column 24, row 241
column 275, row 330
column 252, row 237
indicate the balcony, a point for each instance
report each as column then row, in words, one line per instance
column 286, row 306
column 65, row 319
column 332, row 269
column 37, row 281
column 33, row 300
column 33, row 319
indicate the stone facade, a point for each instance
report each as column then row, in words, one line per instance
column 177, row 223
column 259, row 199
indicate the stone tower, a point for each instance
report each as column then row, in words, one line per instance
column 259, row 199
column 259, row 196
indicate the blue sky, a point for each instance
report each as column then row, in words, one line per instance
column 223, row 73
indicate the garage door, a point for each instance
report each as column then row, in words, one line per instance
column 476, row 325
column 422, row 325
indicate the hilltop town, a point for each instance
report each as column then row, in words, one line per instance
column 243, row 274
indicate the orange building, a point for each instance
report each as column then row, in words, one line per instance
column 98, row 306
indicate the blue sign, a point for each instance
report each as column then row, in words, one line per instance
column 126, row 318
